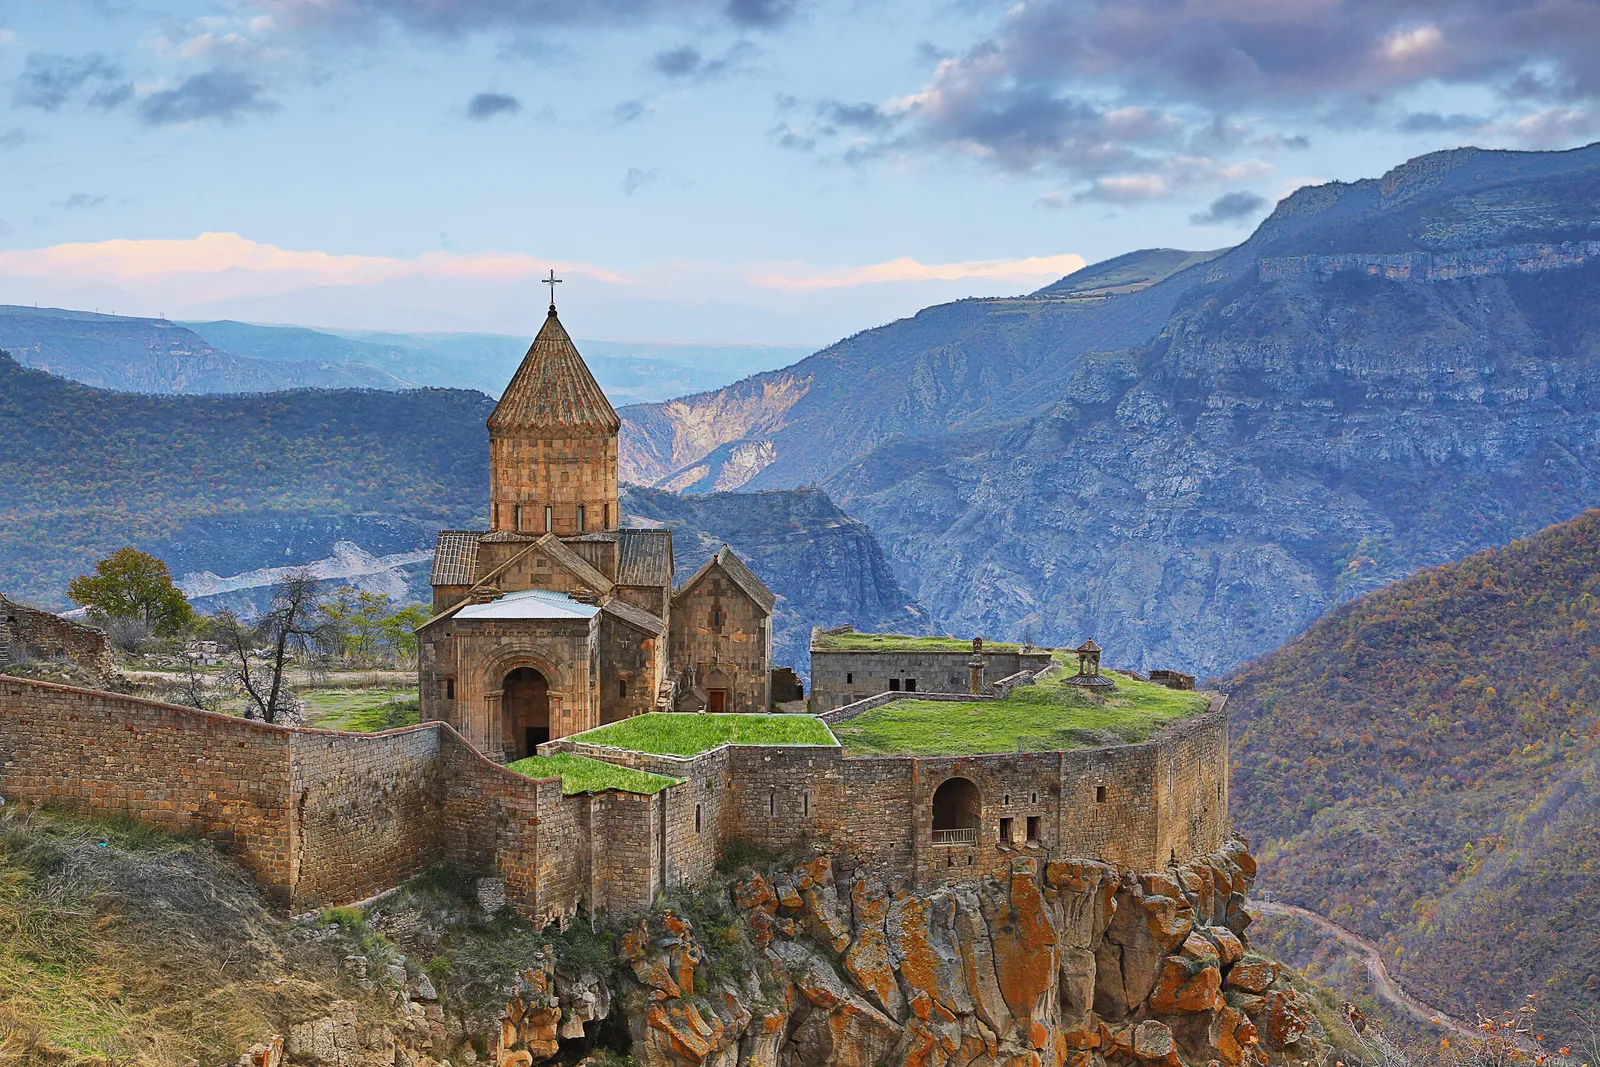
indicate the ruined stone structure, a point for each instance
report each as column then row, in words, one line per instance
column 844, row 676
column 556, row 620
column 32, row 633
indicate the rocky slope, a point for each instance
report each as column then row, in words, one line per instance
column 1420, row 767
column 1388, row 374
column 826, row 567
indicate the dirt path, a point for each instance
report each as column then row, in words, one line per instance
column 1385, row 984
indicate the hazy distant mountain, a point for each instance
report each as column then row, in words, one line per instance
column 1388, row 373
column 629, row 372
column 157, row 356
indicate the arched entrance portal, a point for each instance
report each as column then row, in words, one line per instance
column 957, row 807
column 525, row 706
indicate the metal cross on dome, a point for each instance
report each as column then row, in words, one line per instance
column 552, row 282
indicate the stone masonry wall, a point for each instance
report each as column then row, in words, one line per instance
column 843, row 677
column 183, row 770
column 26, row 631
column 370, row 811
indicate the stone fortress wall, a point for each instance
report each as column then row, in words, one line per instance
column 322, row 817
column 1137, row 807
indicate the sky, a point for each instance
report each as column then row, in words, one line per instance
column 786, row 171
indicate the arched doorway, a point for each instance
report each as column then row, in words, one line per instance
column 525, row 705
column 957, row 808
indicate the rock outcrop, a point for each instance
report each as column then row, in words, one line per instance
column 1063, row 963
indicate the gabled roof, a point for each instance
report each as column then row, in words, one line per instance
column 644, row 557
column 636, row 617
column 741, row 576
column 455, row 557
column 553, row 388
column 573, row 563
column 530, row 604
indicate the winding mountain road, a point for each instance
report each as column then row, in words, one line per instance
column 1385, row 984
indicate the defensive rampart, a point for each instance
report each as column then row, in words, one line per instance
column 321, row 817
column 1138, row 807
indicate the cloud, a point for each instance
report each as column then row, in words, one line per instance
column 677, row 62
column 487, row 105
column 1093, row 88
column 49, row 82
column 214, row 94
column 81, row 202
column 637, row 178
column 688, row 63
column 760, row 14
column 7, row 36
column 1232, row 207
column 629, row 111
column 456, row 18
column 12, row 139
column 905, row 269
column 1433, row 122
column 218, row 253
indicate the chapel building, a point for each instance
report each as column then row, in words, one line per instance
column 557, row 619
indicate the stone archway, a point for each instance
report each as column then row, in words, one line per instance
column 957, row 809
column 524, row 711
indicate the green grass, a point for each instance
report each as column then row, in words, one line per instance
column 579, row 774
column 676, row 734
column 860, row 642
column 1035, row 718
column 361, row 710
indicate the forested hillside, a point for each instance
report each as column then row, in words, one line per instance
column 1422, row 766
column 88, row 470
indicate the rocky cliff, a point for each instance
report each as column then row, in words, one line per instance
column 1390, row 373
column 1061, row 963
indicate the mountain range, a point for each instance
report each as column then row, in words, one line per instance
column 1192, row 456
column 159, row 356
column 229, row 490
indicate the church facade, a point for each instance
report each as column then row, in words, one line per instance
column 557, row 619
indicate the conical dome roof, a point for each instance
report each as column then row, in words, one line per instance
column 553, row 387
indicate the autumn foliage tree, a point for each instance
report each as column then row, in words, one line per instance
column 129, row 584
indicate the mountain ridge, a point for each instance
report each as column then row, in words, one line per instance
column 1280, row 440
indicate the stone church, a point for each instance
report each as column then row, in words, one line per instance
column 557, row 619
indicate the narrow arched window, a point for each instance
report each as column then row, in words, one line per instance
column 549, row 518
column 580, row 518
column 516, row 516
column 622, row 688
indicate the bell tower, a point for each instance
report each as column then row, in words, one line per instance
column 553, row 443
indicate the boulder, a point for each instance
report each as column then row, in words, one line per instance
column 1252, row 975
column 1143, row 931
column 330, row 1041
column 1153, row 1043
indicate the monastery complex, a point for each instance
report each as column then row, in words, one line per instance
column 562, row 639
